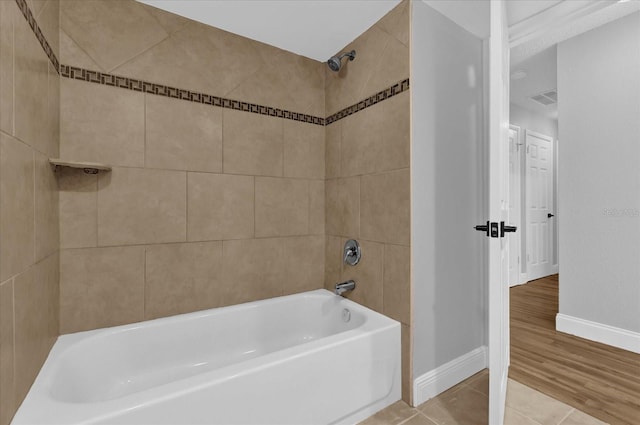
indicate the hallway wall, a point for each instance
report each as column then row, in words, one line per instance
column 599, row 110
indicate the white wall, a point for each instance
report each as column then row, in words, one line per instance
column 526, row 119
column 447, row 267
column 599, row 123
column 532, row 121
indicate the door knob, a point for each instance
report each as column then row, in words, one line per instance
column 506, row 229
column 550, row 215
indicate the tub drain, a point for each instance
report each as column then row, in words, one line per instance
column 346, row 315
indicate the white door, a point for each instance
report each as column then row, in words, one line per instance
column 515, row 248
column 498, row 211
column 539, row 204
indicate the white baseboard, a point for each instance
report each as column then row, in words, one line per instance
column 594, row 331
column 449, row 374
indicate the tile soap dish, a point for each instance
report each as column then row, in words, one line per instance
column 87, row 167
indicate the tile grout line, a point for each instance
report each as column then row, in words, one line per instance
column 573, row 409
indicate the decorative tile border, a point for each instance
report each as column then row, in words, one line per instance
column 387, row 93
column 28, row 15
column 207, row 99
column 176, row 93
column 191, row 96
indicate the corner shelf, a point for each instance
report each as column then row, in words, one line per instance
column 87, row 167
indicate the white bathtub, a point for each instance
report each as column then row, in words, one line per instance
column 286, row 360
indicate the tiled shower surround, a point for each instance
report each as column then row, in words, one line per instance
column 232, row 179
column 29, row 242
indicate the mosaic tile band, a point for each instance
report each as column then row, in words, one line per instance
column 28, row 15
column 97, row 77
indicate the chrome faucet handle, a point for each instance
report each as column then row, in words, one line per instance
column 352, row 252
column 348, row 252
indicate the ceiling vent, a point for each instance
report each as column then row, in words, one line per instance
column 547, row 98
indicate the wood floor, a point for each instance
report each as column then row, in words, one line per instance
column 598, row 379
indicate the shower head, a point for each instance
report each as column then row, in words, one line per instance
column 335, row 62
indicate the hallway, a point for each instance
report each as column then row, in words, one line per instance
column 600, row 380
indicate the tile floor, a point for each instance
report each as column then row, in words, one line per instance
column 467, row 404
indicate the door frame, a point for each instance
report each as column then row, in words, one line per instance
column 520, row 235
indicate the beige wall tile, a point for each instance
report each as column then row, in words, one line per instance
column 253, row 269
column 267, row 86
column 17, row 216
column 349, row 192
column 287, row 81
column 393, row 146
column 182, row 278
column 98, row 26
column 332, row 261
column 333, row 135
column 169, row 21
column 141, row 206
column 316, row 207
column 395, row 67
column 253, row 144
column 333, row 220
column 31, row 83
column 8, row 10
column 47, row 275
column 367, row 274
column 78, row 203
column 306, row 273
column 361, row 139
column 53, row 115
column 385, row 207
column 377, row 138
column 49, row 22
column 72, row 54
column 33, row 337
column 197, row 57
column 282, row 207
column 7, row 399
column 220, row 206
column 397, row 22
column 36, row 6
column 101, row 124
column 342, row 206
column 47, row 236
column 397, row 283
column 101, row 287
column 304, row 154
column 182, row 135
column 305, row 82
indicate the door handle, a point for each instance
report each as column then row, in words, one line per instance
column 550, row 215
column 506, row 229
column 482, row 228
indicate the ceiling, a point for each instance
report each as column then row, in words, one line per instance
column 541, row 70
column 317, row 29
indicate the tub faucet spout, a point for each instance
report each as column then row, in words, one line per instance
column 343, row 287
